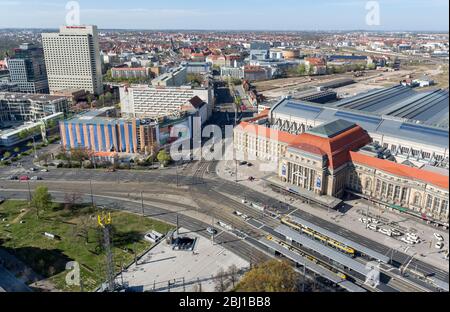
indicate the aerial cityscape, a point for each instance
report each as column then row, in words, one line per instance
column 206, row 147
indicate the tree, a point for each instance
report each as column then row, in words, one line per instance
column 6, row 155
column 89, row 98
column 41, row 199
column 194, row 79
column 79, row 155
column 71, row 200
column 16, row 150
column 51, row 124
column 301, row 69
column 164, row 158
column 233, row 275
column 44, row 157
column 271, row 276
column 108, row 97
column 221, row 282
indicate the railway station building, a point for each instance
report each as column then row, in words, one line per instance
column 339, row 158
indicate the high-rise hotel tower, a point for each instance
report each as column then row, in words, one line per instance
column 72, row 59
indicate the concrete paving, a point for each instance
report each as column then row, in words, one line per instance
column 162, row 269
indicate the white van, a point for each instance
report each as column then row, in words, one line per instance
column 408, row 241
column 412, row 236
column 373, row 227
column 386, row 232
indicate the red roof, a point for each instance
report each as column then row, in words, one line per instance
column 401, row 170
column 337, row 148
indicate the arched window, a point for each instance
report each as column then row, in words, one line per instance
column 368, row 185
column 417, row 199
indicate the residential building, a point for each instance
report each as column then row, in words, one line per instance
column 233, row 72
column 130, row 73
column 143, row 101
column 256, row 73
column 175, row 77
column 199, row 68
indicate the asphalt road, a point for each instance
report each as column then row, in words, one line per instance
column 202, row 181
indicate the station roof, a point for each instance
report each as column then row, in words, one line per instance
column 323, row 250
column 349, row 286
column 367, row 251
column 434, row 133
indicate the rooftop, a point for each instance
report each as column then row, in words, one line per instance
column 13, row 96
column 332, row 129
column 424, row 175
column 401, row 128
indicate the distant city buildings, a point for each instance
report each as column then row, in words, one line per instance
column 256, row 73
column 72, row 58
column 27, row 69
column 198, row 68
column 175, row 77
column 130, row 73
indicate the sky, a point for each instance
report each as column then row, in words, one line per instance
column 398, row 15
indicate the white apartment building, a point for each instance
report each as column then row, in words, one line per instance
column 143, row 101
column 72, row 58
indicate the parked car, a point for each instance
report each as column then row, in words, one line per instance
column 373, row 227
column 249, row 164
column 439, row 245
column 408, row 241
column 36, row 178
column 44, row 170
column 24, row 178
column 13, row 177
column 242, row 163
column 412, row 236
column 211, row 231
column 33, row 169
column 386, row 232
column 439, row 237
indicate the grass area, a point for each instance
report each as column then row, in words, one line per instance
column 81, row 240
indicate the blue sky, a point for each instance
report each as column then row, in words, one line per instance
column 230, row 14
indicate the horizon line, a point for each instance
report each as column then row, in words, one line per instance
column 236, row 30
